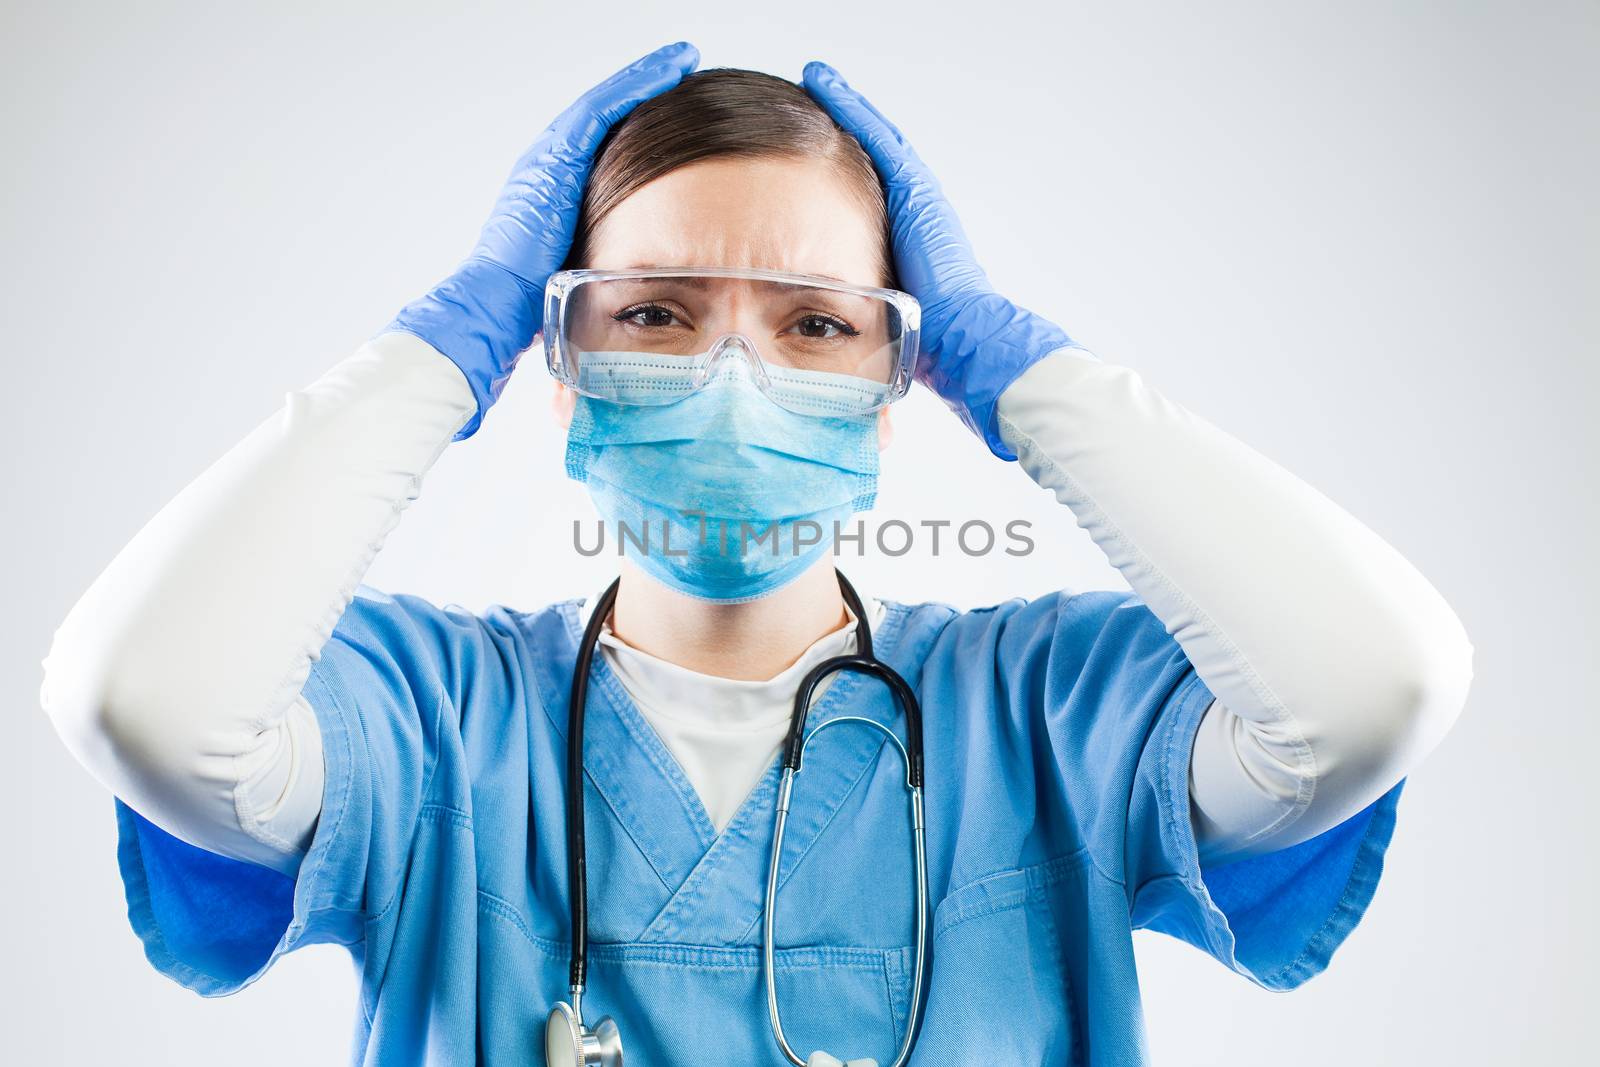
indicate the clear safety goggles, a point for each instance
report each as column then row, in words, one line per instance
column 654, row 335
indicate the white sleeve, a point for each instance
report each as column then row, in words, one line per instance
column 175, row 680
column 1336, row 666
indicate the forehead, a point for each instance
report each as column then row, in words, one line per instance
column 779, row 214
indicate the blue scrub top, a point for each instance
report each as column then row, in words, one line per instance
column 1058, row 734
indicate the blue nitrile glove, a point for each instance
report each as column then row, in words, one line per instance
column 974, row 341
column 484, row 315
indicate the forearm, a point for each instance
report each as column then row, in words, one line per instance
column 175, row 679
column 1336, row 665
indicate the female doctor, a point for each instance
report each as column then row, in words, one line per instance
column 298, row 758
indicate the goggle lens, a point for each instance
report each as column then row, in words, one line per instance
column 844, row 351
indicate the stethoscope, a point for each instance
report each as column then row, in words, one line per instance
column 568, row 1041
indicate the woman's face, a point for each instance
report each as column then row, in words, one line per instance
column 778, row 214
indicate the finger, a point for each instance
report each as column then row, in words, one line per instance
column 885, row 144
column 583, row 126
column 651, row 73
column 681, row 53
column 932, row 254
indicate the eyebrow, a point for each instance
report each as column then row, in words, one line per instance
column 701, row 282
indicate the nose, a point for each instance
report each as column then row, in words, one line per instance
column 729, row 354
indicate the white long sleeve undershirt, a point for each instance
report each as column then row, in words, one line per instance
column 1336, row 665
column 176, row 678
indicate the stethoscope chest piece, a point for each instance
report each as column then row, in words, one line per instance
column 568, row 1043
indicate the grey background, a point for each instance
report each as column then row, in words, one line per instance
column 1357, row 236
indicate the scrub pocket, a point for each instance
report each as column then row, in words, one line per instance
column 1000, row 991
column 678, row 1003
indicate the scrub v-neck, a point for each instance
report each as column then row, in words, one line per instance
column 722, row 732
column 716, row 882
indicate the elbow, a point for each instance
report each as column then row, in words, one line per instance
column 1434, row 694
column 86, row 699
column 1372, row 728
column 73, row 694
column 1409, row 708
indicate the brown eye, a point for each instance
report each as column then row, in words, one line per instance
column 648, row 315
column 825, row 327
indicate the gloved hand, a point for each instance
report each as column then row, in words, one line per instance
column 484, row 315
column 974, row 341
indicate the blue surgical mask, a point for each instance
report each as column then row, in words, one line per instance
column 723, row 495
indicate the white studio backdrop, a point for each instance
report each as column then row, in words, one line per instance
column 1360, row 237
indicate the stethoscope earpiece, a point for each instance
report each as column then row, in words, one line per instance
column 568, row 1043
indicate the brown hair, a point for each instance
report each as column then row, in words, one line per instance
column 725, row 111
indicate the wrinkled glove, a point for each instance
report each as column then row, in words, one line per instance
column 974, row 341
column 484, row 315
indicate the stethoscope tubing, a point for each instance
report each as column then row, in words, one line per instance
column 863, row 661
column 577, row 851
column 769, row 910
column 866, row 662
